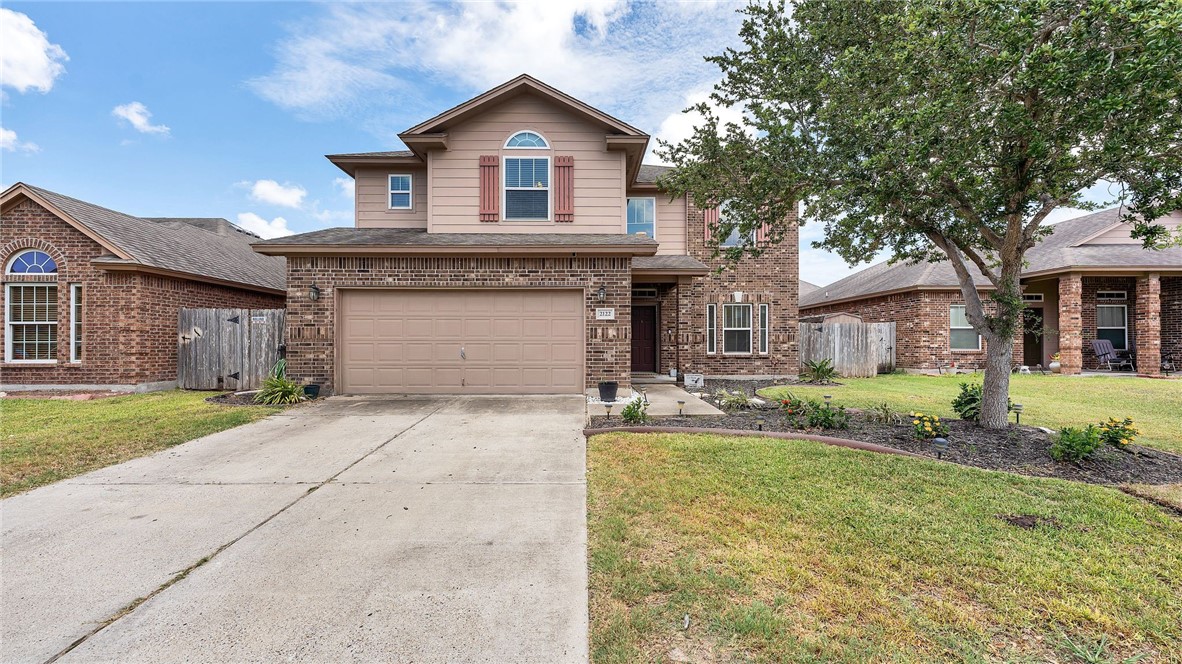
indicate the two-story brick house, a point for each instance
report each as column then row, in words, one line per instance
column 520, row 246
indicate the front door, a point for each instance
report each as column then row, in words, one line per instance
column 644, row 339
column 1032, row 335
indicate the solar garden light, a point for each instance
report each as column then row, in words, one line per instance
column 759, row 422
column 680, row 406
column 828, row 398
column 644, row 393
column 940, row 446
column 608, row 408
column 1017, row 408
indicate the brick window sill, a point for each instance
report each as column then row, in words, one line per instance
column 47, row 363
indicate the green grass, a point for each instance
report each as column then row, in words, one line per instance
column 1050, row 401
column 794, row 551
column 46, row 440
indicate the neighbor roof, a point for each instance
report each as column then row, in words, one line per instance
column 382, row 240
column 1060, row 251
column 806, row 288
column 214, row 249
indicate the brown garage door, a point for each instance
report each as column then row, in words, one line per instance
column 461, row 341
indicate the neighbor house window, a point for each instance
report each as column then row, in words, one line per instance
column 736, row 328
column 1112, row 323
column 527, row 188
column 75, row 322
column 642, row 216
column 30, row 319
column 527, row 140
column 961, row 334
column 711, row 329
column 764, row 327
column 400, row 195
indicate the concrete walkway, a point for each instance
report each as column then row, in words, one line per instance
column 401, row 529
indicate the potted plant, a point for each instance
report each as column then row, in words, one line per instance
column 1055, row 366
column 607, row 390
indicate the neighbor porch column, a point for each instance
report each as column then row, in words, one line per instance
column 1147, row 325
column 1070, row 324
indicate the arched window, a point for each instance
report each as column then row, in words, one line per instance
column 32, row 261
column 527, row 139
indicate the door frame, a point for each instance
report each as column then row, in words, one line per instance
column 656, row 334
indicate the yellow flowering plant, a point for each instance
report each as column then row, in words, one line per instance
column 928, row 426
column 1118, row 433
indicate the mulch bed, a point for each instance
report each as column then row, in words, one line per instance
column 233, row 399
column 1018, row 449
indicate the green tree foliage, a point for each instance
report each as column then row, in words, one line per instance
column 943, row 130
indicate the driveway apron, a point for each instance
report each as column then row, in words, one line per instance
column 378, row 529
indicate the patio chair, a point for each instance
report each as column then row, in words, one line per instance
column 1107, row 355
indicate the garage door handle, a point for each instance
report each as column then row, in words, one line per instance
column 462, row 355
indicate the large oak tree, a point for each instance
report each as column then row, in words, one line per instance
column 943, row 130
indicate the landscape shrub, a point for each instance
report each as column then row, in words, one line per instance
column 967, row 404
column 806, row 413
column 278, row 389
column 636, row 412
column 818, row 371
column 884, row 414
column 732, row 401
column 928, row 427
column 1073, row 444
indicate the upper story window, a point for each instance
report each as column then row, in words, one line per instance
column 527, row 188
column 32, row 261
column 642, row 216
column 735, row 238
column 527, row 139
column 400, row 192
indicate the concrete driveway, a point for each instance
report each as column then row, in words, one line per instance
column 395, row 529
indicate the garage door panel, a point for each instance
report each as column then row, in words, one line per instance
column 515, row 341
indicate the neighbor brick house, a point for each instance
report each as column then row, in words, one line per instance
column 520, row 245
column 91, row 296
column 1089, row 279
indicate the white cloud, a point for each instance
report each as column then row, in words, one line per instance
column 27, row 59
column 10, row 142
column 252, row 222
column 273, row 193
column 362, row 61
column 346, row 186
column 140, row 118
column 679, row 125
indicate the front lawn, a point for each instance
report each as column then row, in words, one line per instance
column 1050, row 401
column 45, row 440
column 794, row 551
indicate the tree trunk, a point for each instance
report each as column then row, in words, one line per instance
column 995, row 392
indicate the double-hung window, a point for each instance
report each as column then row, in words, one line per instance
column 765, row 327
column 75, row 322
column 736, row 329
column 31, row 323
column 961, row 335
column 711, row 329
column 527, row 188
column 1112, row 323
column 642, row 216
column 400, row 192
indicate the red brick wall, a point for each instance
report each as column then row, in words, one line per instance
column 1088, row 311
column 773, row 278
column 921, row 327
column 311, row 326
column 1171, row 317
column 129, row 319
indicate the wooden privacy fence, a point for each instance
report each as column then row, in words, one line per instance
column 857, row 350
column 227, row 349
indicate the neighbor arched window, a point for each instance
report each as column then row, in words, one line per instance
column 31, row 261
column 527, row 139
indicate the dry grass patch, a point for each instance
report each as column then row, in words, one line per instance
column 794, row 551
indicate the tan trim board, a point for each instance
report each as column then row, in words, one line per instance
column 349, row 165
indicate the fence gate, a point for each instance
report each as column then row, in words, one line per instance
column 227, row 349
column 857, row 350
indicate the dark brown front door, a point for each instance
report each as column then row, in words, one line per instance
column 644, row 339
column 1032, row 334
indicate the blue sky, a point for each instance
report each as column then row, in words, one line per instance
column 225, row 109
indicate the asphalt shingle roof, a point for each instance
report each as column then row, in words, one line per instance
column 182, row 244
column 388, row 153
column 1055, row 252
column 668, row 262
column 417, row 237
column 650, row 173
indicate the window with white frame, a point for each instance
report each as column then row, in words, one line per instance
column 400, row 191
column 736, row 328
column 764, row 327
column 527, row 188
column 75, row 322
column 30, row 319
column 31, row 261
column 1112, row 323
column 642, row 216
column 524, row 140
column 961, row 335
column 711, row 329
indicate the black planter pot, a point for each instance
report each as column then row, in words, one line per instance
column 608, row 389
column 311, row 391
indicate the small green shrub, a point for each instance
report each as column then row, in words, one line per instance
column 1073, row 444
column 967, row 404
column 732, row 401
column 635, row 412
column 823, row 416
column 818, row 371
column 928, row 427
column 1118, row 433
column 883, row 413
column 279, row 390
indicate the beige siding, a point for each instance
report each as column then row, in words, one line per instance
column 671, row 227
column 372, row 199
column 1122, row 234
column 599, row 174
